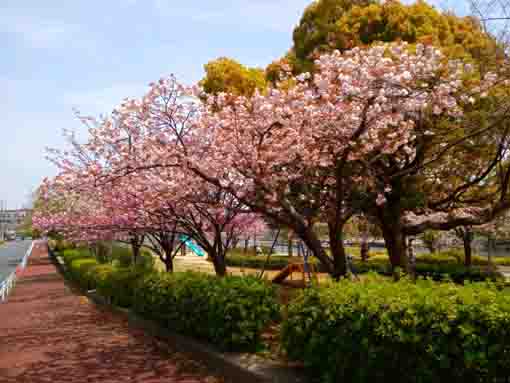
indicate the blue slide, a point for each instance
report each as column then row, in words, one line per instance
column 192, row 245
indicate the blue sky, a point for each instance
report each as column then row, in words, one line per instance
column 57, row 55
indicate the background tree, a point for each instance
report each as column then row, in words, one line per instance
column 327, row 25
column 466, row 234
column 229, row 76
column 317, row 30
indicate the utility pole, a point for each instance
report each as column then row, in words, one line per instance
column 2, row 221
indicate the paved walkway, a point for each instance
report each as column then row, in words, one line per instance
column 50, row 334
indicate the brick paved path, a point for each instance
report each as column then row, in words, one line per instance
column 50, row 334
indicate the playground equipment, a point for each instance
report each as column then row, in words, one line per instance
column 299, row 265
column 190, row 244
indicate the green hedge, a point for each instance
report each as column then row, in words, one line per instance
column 438, row 268
column 230, row 312
column 120, row 285
column 405, row 332
column 438, row 272
column 276, row 262
column 456, row 256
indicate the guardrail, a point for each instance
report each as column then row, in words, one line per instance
column 8, row 284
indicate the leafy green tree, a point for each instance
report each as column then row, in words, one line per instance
column 343, row 24
column 317, row 30
column 229, row 76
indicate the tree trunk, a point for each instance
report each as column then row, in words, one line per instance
column 394, row 240
column 167, row 248
column 310, row 239
column 411, row 259
column 169, row 264
column 290, row 244
column 336, row 244
column 467, row 239
column 219, row 263
column 364, row 246
column 389, row 216
column 135, row 247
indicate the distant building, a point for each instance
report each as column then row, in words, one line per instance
column 12, row 219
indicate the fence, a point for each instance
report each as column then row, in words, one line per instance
column 8, row 284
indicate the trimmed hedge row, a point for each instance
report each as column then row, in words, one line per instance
column 230, row 312
column 385, row 331
column 438, row 267
column 115, row 283
column 438, row 272
column 276, row 262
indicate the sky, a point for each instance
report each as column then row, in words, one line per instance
column 58, row 56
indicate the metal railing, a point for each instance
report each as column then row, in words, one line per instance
column 8, row 284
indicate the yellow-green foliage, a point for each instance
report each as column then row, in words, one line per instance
column 229, row 76
column 379, row 331
column 316, row 29
column 341, row 24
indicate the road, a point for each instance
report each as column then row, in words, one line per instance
column 9, row 253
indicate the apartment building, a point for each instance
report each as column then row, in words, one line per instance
column 11, row 219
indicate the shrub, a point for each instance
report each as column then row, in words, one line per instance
column 437, row 268
column 122, row 256
column 230, row 312
column 405, row 332
column 60, row 244
column 146, row 260
column 81, row 270
column 119, row 284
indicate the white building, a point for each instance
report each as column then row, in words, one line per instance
column 11, row 219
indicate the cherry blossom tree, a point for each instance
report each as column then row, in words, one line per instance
column 129, row 168
column 364, row 133
column 313, row 151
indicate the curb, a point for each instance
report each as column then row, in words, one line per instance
column 235, row 367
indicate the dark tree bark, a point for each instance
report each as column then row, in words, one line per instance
column 338, row 253
column 246, row 240
column 364, row 248
column 395, row 244
column 220, row 266
column 167, row 245
column 389, row 216
column 467, row 240
column 135, row 248
column 290, row 245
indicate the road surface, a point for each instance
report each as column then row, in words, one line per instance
column 11, row 252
